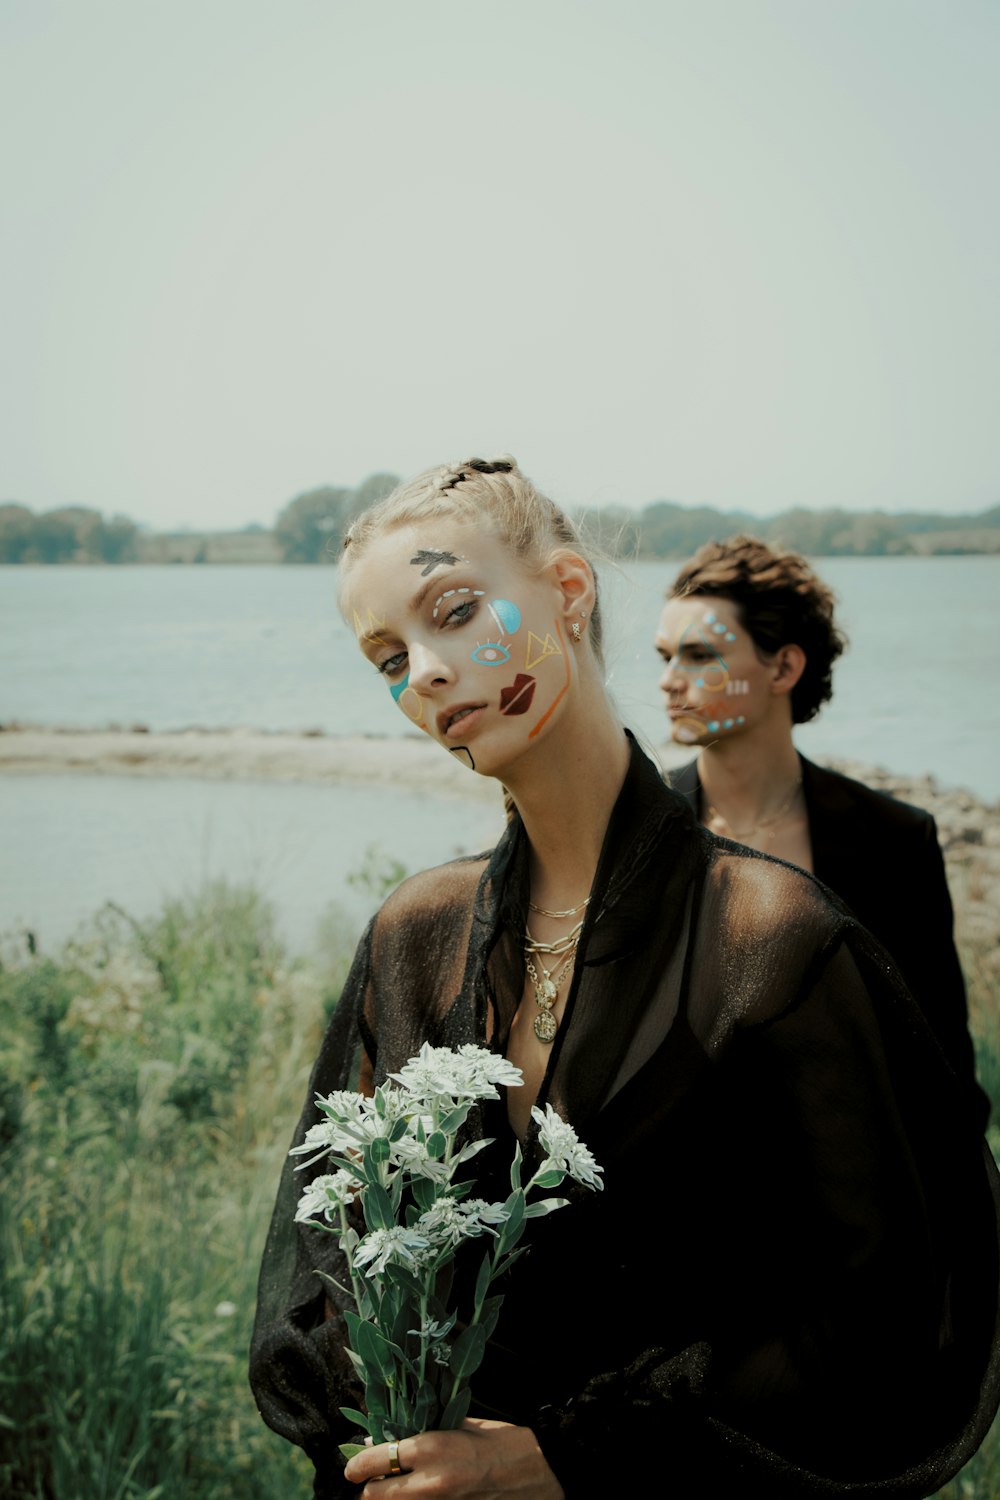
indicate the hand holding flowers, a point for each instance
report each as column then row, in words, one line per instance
column 397, row 1159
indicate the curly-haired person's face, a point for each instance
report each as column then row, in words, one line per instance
column 714, row 682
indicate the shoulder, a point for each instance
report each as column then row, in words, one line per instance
column 432, row 897
column 834, row 793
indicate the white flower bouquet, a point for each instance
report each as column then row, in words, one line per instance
column 397, row 1159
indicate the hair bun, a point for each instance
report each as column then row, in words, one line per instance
column 503, row 464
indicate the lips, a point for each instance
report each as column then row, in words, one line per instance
column 454, row 721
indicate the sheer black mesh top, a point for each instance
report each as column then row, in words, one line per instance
column 789, row 1284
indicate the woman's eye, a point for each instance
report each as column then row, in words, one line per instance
column 392, row 664
column 461, row 612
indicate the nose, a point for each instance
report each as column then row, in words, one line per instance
column 427, row 669
column 671, row 678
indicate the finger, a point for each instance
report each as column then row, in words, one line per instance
column 380, row 1461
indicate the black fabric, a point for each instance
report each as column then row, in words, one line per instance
column 882, row 857
column 789, row 1284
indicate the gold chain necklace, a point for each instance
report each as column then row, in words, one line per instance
column 545, row 985
column 762, row 823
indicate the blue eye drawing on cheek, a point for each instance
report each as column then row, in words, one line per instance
column 506, row 614
column 491, row 654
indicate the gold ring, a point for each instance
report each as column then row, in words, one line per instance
column 394, row 1465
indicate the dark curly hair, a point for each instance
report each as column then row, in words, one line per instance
column 781, row 602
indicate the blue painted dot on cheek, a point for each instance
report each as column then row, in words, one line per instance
column 727, row 723
column 397, row 689
column 719, row 629
column 507, row 614
column 709, row 617
column 712, row 726
column 730, row 636
column 740, row 719
column 699, row 682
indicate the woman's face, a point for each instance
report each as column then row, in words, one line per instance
column 472, row 647
column 716, row 685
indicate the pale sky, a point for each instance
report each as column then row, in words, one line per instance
column 740, row 253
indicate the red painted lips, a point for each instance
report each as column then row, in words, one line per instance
column 516, row 699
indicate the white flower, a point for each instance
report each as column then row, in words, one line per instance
column 450, row 1222
column 324, row 1196
column 563, row 1148
column 439, row 1073
column 412, row 1154
column 381, row 1246
column 225, row 1309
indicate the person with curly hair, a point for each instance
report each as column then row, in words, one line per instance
column 748, row 640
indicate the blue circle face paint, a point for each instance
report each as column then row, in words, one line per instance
column 699, row 682
column 712, row 726
column 727, row 723
column 740, row 719
column 506, row 614
column 730, row 636
column 491, row 654
column 719, row 629
column 709, row 617
column 397, row 689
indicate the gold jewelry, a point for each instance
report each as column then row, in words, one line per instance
column 546, row 985
column 570, row 912
column 762, row 823
column 395, row 1467
column 576, row 633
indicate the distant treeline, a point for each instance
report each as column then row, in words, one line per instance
column 310, row 527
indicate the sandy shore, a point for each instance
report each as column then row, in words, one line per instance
column 969, row 828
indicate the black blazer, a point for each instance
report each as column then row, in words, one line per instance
column 882, row 858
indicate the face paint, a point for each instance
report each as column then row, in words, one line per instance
column 506, row 614
column 411, row 703
column 427, row 561
column 491, row 654
column 463, row 750
column 709, row 659
column 562, row 691
column 538, row 650
column 516, row 699
column 371, row 630
column 450, row 593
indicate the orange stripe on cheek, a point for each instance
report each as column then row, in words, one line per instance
column 562, row 691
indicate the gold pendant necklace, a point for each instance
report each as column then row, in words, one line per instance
column 762, row 823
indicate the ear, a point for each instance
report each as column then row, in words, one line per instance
column 573, row 577
column 787, row 665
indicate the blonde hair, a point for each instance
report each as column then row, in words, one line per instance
column 479, row 490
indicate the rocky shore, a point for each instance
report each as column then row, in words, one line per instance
column 969, row 828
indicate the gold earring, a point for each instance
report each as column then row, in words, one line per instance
column 575, row 631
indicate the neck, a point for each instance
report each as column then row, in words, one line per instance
column 747, row 776
column 565, row 798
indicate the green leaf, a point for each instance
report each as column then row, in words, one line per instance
column 467, row 1351
column 552, row 1178
column 455, row 1118
column 380, row 1149
column 483, row 1279
column 437, row 1145
column 424, row 1408
column 515, row 1169
column 378, row 1209
column 544, row 1206
column 398, row 1130
column 358, row 1418
column 456, row 1411
column 423, row 1194
column 349, row 1450
column 490, row 1314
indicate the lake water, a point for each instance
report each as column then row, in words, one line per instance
column 265, row 648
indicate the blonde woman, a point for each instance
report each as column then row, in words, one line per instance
column 788, row 1285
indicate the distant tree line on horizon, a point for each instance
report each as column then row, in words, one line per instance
column 310, row 529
